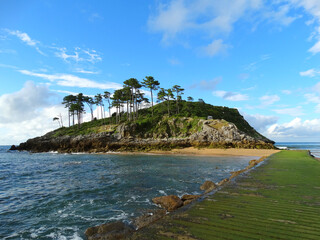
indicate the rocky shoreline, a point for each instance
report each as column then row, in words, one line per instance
column 126, row 138
column 121, row 230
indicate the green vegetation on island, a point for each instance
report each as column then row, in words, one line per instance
column 278, row 200
column 189, row 115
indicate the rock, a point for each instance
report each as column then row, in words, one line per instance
column 223, row 181
column 253, row 162
column 114, row 230
column 208, row 186
column 149, row 218
column 13, row 148
column 189, row 197
column 236, row 173
column 170, row 203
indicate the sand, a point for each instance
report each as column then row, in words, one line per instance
column 219, row 152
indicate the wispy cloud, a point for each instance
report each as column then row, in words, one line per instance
column 231, row 96
column 216, row 47
column 24, row 37
column 94, row 17
column 295, row 111
column 207, row 84
column 78, row 55
column 267, row 100
column 69, row 80
column 254, row 65
column 80, row 70
column 8, row 66
column 287, row 92
column 174, row 61
column 310, row 73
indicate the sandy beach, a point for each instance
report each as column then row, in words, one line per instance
column 219, row 152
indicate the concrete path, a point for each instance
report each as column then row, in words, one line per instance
column 278, row 200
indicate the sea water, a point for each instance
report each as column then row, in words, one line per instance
column 58, row 196
column 313, row 147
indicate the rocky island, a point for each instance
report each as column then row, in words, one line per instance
column 197, row 124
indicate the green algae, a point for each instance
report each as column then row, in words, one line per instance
column 278, row 200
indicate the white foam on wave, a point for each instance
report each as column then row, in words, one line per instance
column 76, row 237
column 282, row 147
column 162, row 192
column 53, row 152
column 121, row 216
column 73, row 163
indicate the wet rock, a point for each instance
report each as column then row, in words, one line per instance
column 189, row 197
column 108, row 231
column 208, row 186
column 253, row 162
column 149, row 218
column 223, row 181
column 13, row 148
column 236, row 173
column 170, row 203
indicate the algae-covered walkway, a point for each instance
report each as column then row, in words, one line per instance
column 278, row 200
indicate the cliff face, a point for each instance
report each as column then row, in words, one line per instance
column 166, row 134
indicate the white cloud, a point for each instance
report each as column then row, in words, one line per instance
column 27, row 113
column 211, row 17
column 215, row 48
column 24, row 37
column 310, row 73
column 269, row 100
column 315, row 48
column 23, row 105
column 231, row 96
column 78, row 55
column 260, row 122
column 80, row 70
column 254, row 65
column 308, row 130
column 281, row 15
column 41, row 123
column 313, row 98
column 69, row 80
column 295, row 112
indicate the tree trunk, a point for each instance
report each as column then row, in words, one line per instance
column 151, row 101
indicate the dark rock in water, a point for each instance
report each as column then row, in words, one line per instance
column 170, row 203
column 149, row 218
column 108, row 231
column 208, row 186
column 13, row 148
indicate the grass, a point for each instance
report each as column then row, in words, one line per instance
column 278, row 200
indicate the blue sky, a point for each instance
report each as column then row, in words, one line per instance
column 261, row 57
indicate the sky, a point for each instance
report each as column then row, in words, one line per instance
column 261, row 57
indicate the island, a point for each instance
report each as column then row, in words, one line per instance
column 186, row 124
